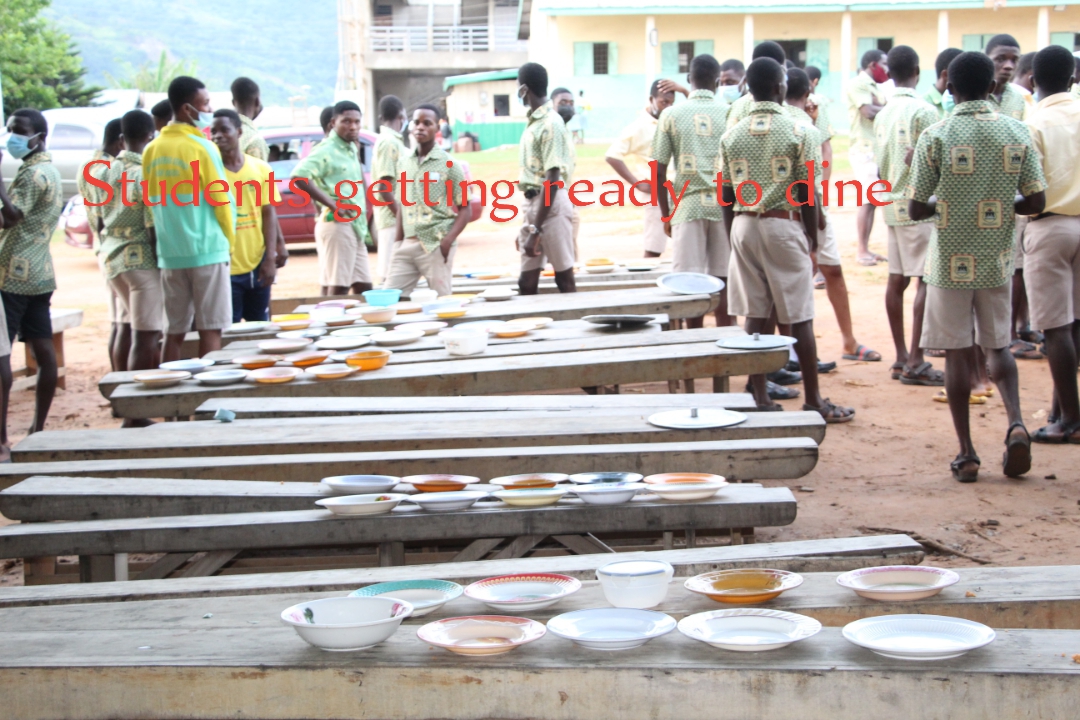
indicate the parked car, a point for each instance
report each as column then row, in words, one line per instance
column 76, row 226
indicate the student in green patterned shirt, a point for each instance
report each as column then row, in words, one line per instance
column 688, row 138
column 938, row 94
column 427, row 226
column 898, row 127
column 966, row 173
column 771, row 267
column 27, row 279
column 864, row 101
column 388, row 149
column 741, row 107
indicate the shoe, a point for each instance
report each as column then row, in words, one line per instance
column 823, row 368
column 783, row 376
column 776, row 392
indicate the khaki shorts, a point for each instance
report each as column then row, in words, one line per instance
column 557, row 239
column 701, row 246
column 951, row 316
column 139, row 295
column 828, row 252
column 770, row 266
column 1018, row 256
column 865, row 166
column 575, row 223
column 1052, row 271
column 907, row 249
column 5, row 341
column 655, row 237
column 343, row 258
column 202, row 295
column 385, row 252
column 116, row 312
column 412, row 262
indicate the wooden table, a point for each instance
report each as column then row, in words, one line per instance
column 63, row 319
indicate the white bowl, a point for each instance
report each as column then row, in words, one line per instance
column 918, row 637
column 531, row 497
column 442, row 501
column 498, row 293
column 221, row 377
column 279, row 346
column 523, row 593
column 607, row 493
column 378, row 314
column 428, row 328
column 191, row 365
column 359, row 484
column 341, row 343
column 371, row 504
column 397, row 337
column 899, row 583
column 465, row 341
column 346, row 623
column 748, row 629
column 686, row 492
column 362, row 331
column 423, row 296
column 161, row 378
column 301, row 334
column 611, row 629
column 636, row 584
column 426, row 596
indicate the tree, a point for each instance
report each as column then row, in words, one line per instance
column 154, row 79
column 40, row 65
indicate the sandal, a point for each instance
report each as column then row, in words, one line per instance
column 925, row 374
column 772, row 407
column 1032, row 336
column 1017, row 458
column 896, row 369
column 965, row 476
column 867, row 261
column 863, row 353
column 1023, row 350
column 833, row 414
column 943, row 397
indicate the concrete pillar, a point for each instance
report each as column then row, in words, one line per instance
column 652, row 40
column 1042, row 29
column 748, row 38
column 942, row 30
column 846, row 65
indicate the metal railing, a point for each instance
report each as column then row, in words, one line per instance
column 447, row 38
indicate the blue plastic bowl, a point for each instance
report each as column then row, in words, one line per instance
column 382, row 298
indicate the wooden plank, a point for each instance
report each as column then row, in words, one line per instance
column 758, row 459
column 165, row 565
column 519, row 546
column 582, row 544
column 477, row 549
column 473, row 376
column 209, row 563
column 394, row 432
column 800, row 555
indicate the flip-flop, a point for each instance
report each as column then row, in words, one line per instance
column 863, row 353
column 1023, row 350
column 867, row 261
column 942, row 397
column 896, row 369
column 925, row 374
column 832, row 414
column 961, row 460
column 1017, row 458
column 1068, row 437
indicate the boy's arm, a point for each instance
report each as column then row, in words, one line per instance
column 268, row 266
column 11, row 214
column 224, row 213
column 1032, row 184
column 924, row 179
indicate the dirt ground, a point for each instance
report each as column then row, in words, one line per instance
column 887, row 469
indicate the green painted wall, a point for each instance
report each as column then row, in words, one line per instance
column 491, row 134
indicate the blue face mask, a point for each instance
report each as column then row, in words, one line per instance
column 731, row 93
column 18, row 146
column 947, row 102
column 204, row 119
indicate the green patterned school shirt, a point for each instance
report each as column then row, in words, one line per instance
column 897, row 128
column 1012, row 103
column 933, row 97
column 93, row 194
column 738, row 110
column 862, row 91
column 388, row 149
column 545, row 144
column 769, row 147
column 26, row 266
column 429, row 222
column 688, row 137
column 975, row 161
column 251, row 142
column 125, row 241
column 330, row 162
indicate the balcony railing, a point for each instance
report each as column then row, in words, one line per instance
column 447, row 38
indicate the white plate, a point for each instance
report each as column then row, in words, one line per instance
column 918, row 637
column 494, row 294
column 222, row 377
column 428, row 328
column 688, row 283
column 246, row 328
column 696, row 418
column 748, row 629
column 523, row 592
column 426, row 596
column 360, row 484
column 755, row 342
column 283, row 347
column 600, row 269
column 898, row 582
column 441, row 501
column 607, row 493
column 301, row 334
column 341, row 343
column 330, row 371
column 362, row 504
column 685, row 492
column 361, row 331
column 191, row 365
column 161, row 378
column 611, row 628
column 397, row 337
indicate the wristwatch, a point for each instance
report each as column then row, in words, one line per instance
column 532, row 229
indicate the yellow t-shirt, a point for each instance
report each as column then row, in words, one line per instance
column 248, row 246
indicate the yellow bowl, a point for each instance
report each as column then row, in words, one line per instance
column 294, row 324
column 255, row 362
column 289, row 316
column 743, row 586
column 368, row 359
column 451, row 313
column 599, row 261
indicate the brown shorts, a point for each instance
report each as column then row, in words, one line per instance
column 343, row 259
column 770, row 266
column 140, row 298
column 202, row 295
column 411, row 262
column 701, row 246
column 951, row 316
column 1052, row 270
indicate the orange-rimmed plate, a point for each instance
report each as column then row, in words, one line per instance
column 524, row 592
column 308, row 358
column 274, row 375
column 684, row 477
column 743, row 586
column 256, row 362
column 439, row 482
column 481, row 634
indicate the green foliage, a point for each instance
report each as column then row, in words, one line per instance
column 39, row 64
column 149, row 78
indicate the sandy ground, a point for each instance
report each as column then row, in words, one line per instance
column 887, row 469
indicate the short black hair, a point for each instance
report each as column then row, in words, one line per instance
column 798, row 84
column 325, row 117
column 390, row 108
column 733, row 65
column 162, row 110
column 535, row 77
column 182, row 89
column 970, row 74
column 654, row 89
column 345, row 106
column 244, row 90
column 945, row 57
column 1077, row 59
column 234, row 117
column 1026, row 63
column 35, row 118
column 1054, row 69
column 561, row 91
column 704, row 68
column 137, row 125
column 432, row 108
column 870, row 57
column 762, row 76
column 769, row 49
column 813, row 72
column 112, row 132
column 903, row 62
column 999, row 40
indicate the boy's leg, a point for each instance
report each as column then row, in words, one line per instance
column 5, row 393
column 212, row 300
column 257, row 300
column 894, row 309
column 238, row 285
column 37, row 334
column 361, row 269
column 718, row 257
column 385, row 251
column 689, row 244
column 404, row 270
column 655, row 238
column 993, row 319
column 179, row 301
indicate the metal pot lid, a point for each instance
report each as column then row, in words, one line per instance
column 688, row 283
column 756, row 341
column 619, row 319
column 696, row 418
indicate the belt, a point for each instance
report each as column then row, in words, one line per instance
column 780, row 214
column 1040, row 216
column 531, row 193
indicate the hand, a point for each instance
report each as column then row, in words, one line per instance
column 909, row 155
column 267, row 273
column 821, row 221
column 444, row 248
column 666, row 86
column 531, row 249
column 812, row 110
column 667, row 228
column 282, row 256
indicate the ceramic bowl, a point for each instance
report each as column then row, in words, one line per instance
column 368, row 359
column 744, row 586
column 340, row 320
column 191, row 365
column 423, row 296
column 446, row 501
column 407, row 308
column 161, row 378
column 246, row 328
column 531, row 497
column 481, row 634
column 494, row 294
column 748, row 629
column 336, row 344
column 381, row 298
column 440, row 483
column 312, row 333
column 293, row 324
column 900, row 583
column 607, row 493
column 538, row 322
column 684, row 478
column 397, row 337
column 686, row 491
column 360, row 484
column 284, row 347
column 918, row 637
column 378, row 314
column 307, row 358
column 342, row 624
column 332, row 371
column 610, row 629
column 221, row 377
column 342, row 303
column 523, row 593
column 599, row 269
column 529, row 480
column 451, row 313
column 255, row 362
column 275, row 375
column 371, row 504
column 426, row 596
column 465, row 341
column 428, row 328
column 638, row 584
column 606, row 477
column 361, row 331
column 512, row 329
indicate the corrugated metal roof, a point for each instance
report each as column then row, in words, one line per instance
column 701, row 7
column 477, row 77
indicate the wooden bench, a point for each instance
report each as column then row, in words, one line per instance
column 63, row 319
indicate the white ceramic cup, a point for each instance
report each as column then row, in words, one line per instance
column 634, row 584
column 465, row 341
